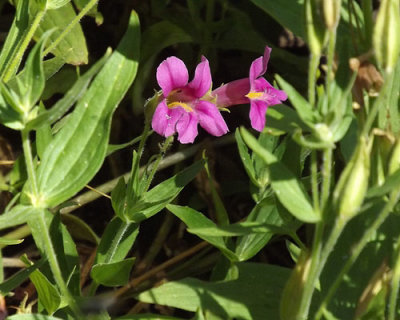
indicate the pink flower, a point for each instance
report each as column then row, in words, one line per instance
column 184, row 104
column 255, row 89
column 262, row 94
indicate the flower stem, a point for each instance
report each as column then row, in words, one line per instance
column 26, row 145
column 11, row 69
column 314, row 180
column 381, row 217
column 326, row 175
column 68, row 29
column 312, row 70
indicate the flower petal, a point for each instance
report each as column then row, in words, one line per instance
column 172, row 74
column 232, row 93
column 259, row 66
column 257, row 114
column 272, row 96
column 187, row 127
column 210, row 118
column 165, row 119
column 201, row 82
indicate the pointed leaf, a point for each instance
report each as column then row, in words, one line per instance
column 113, row 274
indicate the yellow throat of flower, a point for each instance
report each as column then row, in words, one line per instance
column 179, row 104
column 254, row 95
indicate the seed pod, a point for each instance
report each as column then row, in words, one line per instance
column 331, row 10
column 353, row 183
column 291, row 295
column 386, row 34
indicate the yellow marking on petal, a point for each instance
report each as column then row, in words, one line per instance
column 254, row 95
column 180, row 104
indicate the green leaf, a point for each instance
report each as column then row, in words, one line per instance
column 81, row 4
column 289, row 13
column 55, row 4
column 18, row 278
column 8, row 115
column 391, row 183
column 147, row 316
column 16, row 216
column 72, row 48
column 158, row 197
column 196, row 220
column 303, row 108
column 73, row 95
column 8, row 242
column 79, row 229
column 245, row 157
column 15, row 35
column 117, row 240
column 31, row 316
column 113, row 274
column 78, row 150
column 283, row 119
column 49, row 296
column 265, row 212
column 288, row 189
column 253, row 295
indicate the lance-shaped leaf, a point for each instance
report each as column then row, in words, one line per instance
column 78, row 150
column 287, row 187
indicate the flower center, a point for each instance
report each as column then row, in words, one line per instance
column 175, row 104
column 254, row 95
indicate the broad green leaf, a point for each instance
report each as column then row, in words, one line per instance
column 16, row 216
column 158, row 197
column 253, row 295
column 72, row 48
column 8, row 242
column 288, row 189
column 79, row 229
column 32, row 316
column 55, row 4
column 289, row 13
column 265, row 211
column 282, row 119
column 117, row 240
column 49, row 296
column 18, row 278
column 8, row 115
column 303, row 108
column 196, row 220
column 15, row 36
column 78, row 150
column 112, row 274
column 73, row 95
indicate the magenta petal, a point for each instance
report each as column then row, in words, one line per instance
column 259, row 66
column 172, row 74
column 232, row 93
column 165, row 119
column 210, row 118
column 201, row 82
column 187, row 127
column 257, row 114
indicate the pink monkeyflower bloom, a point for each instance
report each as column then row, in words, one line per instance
column 255, row 89
column 184, row 104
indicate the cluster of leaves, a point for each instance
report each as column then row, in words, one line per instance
column 323, row 175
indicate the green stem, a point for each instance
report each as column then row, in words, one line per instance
column 387, row 84
column 10, row 71
column 326, row 175
column 312, row 70
column 314, row 180
column 68, row 29
column 358, row 248
column 30, row 168
column 331, row 55
column 394, row 285
column 55, row 267
column 367, row 9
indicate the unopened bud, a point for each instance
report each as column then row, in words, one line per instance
column 331, row 10
column 353, row 183
column 151, row 105
column 386, row 34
